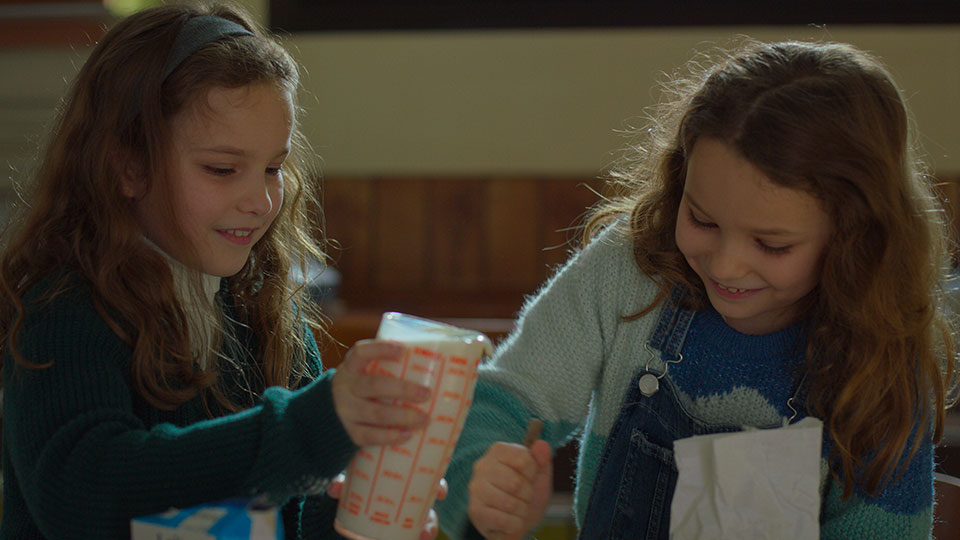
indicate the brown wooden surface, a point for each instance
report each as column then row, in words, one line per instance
column 446, row 248
column 53, row 23
column 456, row 247
column 949, row 192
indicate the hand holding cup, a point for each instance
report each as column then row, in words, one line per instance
column 367, row 402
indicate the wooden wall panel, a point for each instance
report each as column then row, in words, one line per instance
column 438, row 247
column 348, row 211
column 401, row 221
column 949, row 192
column 564, row 205
column 512, row 231
column 53, row 23
column 458, row 251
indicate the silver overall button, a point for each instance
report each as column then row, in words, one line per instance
column 648, row 384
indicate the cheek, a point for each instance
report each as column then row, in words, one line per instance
column 681, row 237
column 799, row 275
column 193, row 215
column 276, row 195
column 689, row 240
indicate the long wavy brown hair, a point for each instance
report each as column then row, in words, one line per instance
column 828, row 120
column 115, row 116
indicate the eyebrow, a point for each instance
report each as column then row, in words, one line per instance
column 774, row 231
column 239, row 152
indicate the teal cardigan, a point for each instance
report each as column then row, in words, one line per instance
column 83, row 453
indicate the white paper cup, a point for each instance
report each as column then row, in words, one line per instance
column 390, row 489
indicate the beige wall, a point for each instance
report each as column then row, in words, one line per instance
column 552, row 101
column 503, row 102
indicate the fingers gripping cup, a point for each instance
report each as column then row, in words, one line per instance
column 390, row 489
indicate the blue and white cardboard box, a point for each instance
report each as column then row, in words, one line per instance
column 230, row 519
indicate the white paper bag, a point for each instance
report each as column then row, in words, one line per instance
column 754, row 484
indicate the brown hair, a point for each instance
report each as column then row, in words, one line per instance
column 116, row 115
column 825, row 119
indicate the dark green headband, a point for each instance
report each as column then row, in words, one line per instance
column 196, row 33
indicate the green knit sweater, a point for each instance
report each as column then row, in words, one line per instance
column 83, row 453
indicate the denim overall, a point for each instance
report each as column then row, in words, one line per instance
column 637, row 476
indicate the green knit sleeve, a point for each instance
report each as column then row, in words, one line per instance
column 83, row 464
column 311, row 517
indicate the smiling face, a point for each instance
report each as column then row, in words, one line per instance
column 225, row 172
column 756, row 245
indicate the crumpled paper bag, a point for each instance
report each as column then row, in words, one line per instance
column 756, row 484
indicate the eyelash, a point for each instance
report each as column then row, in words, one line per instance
column 763, row 247
column 219, row 171
column 700, row 224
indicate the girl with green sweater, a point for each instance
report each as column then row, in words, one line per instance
column 155, row 351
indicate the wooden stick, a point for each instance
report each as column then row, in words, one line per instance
column 534, row 429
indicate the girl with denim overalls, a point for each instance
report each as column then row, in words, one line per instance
column 772, row 253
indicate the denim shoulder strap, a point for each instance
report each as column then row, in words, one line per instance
column 673, row 324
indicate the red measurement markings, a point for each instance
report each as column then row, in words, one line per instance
column 380, row 517
column 385, row 500
column 458, row 360
column 407, row 523
column 364, row 454
column 420, row 368
column 447, row 454
column 451, row 395
column 426, row 470
column 445, row 419
column 376, row 474
column 356, row 497
column 427, row 352
column 393, row 474
column 354, row 509
column 361, row 475
column 402, row 450
column 433, row 402
column 458, row 371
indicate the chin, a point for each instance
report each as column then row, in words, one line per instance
column 222, row 270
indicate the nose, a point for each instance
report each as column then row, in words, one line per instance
column 728, row 262
column 256, row 198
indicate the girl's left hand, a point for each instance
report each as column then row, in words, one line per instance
column 430, row 529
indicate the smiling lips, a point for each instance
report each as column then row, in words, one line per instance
column 240, row 237
column 731, row 292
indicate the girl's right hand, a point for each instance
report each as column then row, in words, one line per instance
column 365, row 402
column 510, row 489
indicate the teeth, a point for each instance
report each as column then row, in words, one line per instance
column 731, row 289
column 239, row 233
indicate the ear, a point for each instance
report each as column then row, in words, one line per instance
column 133, row 183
